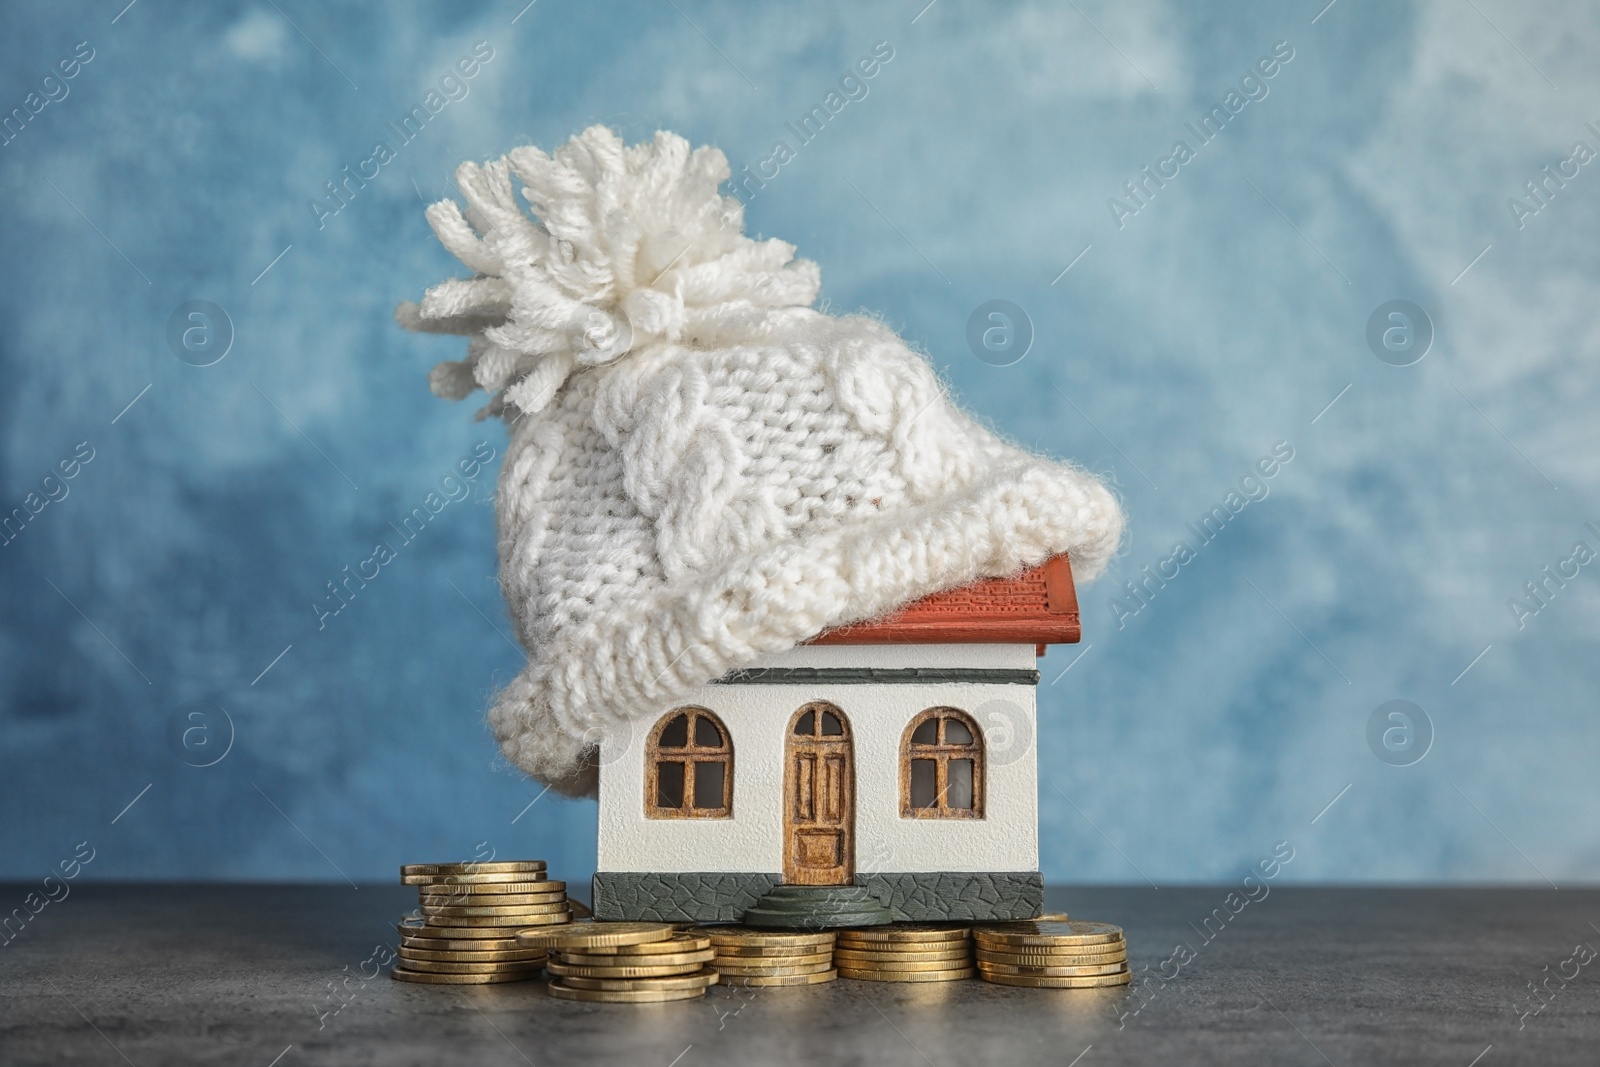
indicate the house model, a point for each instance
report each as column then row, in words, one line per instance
column 895, row 755
column 781, row 598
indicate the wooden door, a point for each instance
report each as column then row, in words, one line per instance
column 819, row 785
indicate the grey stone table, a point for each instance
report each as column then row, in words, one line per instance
column 166, row 975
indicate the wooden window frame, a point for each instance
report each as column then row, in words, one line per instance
column 942, row 753
column 690, row 755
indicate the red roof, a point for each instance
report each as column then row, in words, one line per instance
column 1038, row 606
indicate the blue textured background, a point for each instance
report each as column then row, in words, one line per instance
column 1220, row 319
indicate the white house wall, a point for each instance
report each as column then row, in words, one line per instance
column 757, row 718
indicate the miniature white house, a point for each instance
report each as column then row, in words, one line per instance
column 895, row 756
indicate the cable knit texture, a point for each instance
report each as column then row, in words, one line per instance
column 703, row 470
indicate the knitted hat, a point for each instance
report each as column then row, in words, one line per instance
column 702, row 469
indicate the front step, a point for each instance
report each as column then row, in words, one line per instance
column 817, row 907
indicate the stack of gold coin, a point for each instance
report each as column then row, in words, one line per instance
column 905, row 952
column 1052, row 954
column 751, row 957
column 464, row 930
column 623, row 963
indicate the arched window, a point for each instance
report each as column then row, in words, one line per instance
column 941, row 766
column 689, row 767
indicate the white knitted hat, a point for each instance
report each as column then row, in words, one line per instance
column 702, row 470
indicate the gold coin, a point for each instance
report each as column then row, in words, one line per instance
column 400, row 974
column 861, row 955
column 820, row 964
column 816, row 956
column 625, row 996
column 698, row 980
column 504, row 956
column 472, row 867
column 508, row 878
column 512, row 924
column 559, row 966
column 751, row 952
column 764, row 939
column 773, row 952
column 1041, row 958
column 416, row 928
column 441, row 967
column 1055, row 972
column 586, row 934
column 659, row 959
column 1052, row 917
column 535, row 914
column 446, row 944
column 952, row 975
column 446, row 967
column 1032, row 981
column 1048, row 932
column 904, row 965
column 490, row 889
column 919, row 933
column 676, row 943
column 765, row 980
column 528, row 907
column 810, row 955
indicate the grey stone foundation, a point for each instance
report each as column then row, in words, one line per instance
column 946, row 895
column 724, row 897
column 715, row 897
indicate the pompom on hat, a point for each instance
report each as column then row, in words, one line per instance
column 703, row 470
